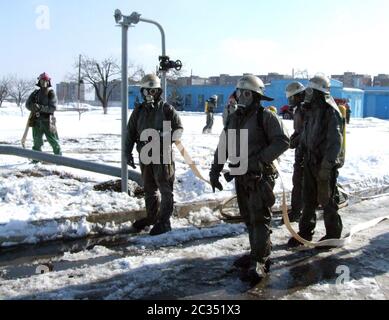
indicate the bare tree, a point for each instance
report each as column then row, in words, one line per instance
column 135, row 74
column 173, row 75
column 175, row 97
column 20, row 90
column 4, row 89
column 102, row 75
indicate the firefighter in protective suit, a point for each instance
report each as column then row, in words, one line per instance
column 210, row 109
column 159, row 174
column 43, row 103
column 295, row 93
column 267, row 140
column 321, row 146
column 229, row 108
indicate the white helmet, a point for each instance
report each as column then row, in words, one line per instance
column 294, row 88
column 214, row 97
column 321, row 83
column 151, row 81
column 253, row 83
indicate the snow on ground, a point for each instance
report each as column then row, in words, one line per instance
column 96, row 137
column 189, row 262
column 192, row 263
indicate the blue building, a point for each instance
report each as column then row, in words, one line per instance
column 355, row 97
column 376, row 102
column 194, row 97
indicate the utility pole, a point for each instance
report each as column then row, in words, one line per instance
column 79, row 87
column 79, row 80
column 125, row 22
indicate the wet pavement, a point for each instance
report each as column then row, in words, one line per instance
column 311, row 274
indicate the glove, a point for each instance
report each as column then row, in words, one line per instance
column 215, row 183
column 36, row 107
column 130, row 161
column 228, row 177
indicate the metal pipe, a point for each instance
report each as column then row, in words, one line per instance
column 71, row 163
column 163, row 78
column 162, row 33
column 124, row 174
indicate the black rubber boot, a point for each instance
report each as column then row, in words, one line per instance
column 161, row 228
column 295, row 216
column 256, row 272
column 327, row 237
column 293, row 243
column 142, row 224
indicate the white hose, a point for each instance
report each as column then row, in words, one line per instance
column 326, row 243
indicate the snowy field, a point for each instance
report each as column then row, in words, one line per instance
column 205, row 254
column 96, row 137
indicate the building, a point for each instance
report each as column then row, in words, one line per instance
column 363, row 81
column 273, row 76
column 353, row 80
column 370, row 101
column 376, row 103
column 192, row 81
column 193, row 97
column 68, row 92
column 227, row 80
column 276, row 90
column 382, row 80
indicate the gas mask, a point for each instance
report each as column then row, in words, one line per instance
column 309, row 95
column 245, row 98
column 44, row 84
column 292, row 102
column 150, row 95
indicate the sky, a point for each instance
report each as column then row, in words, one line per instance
column 210, row 37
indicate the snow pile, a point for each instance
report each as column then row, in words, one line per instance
column 203, row 217
column 96, row 252
column 34, row 199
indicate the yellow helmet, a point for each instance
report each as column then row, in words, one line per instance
column 273, row 109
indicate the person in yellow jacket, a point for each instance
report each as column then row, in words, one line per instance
column 210, row 108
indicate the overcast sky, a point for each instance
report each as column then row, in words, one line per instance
column 210, row 36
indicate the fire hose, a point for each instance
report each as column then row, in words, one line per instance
column 26, row 130
column 309, row 244
column 189, row 161
column 325, row 243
